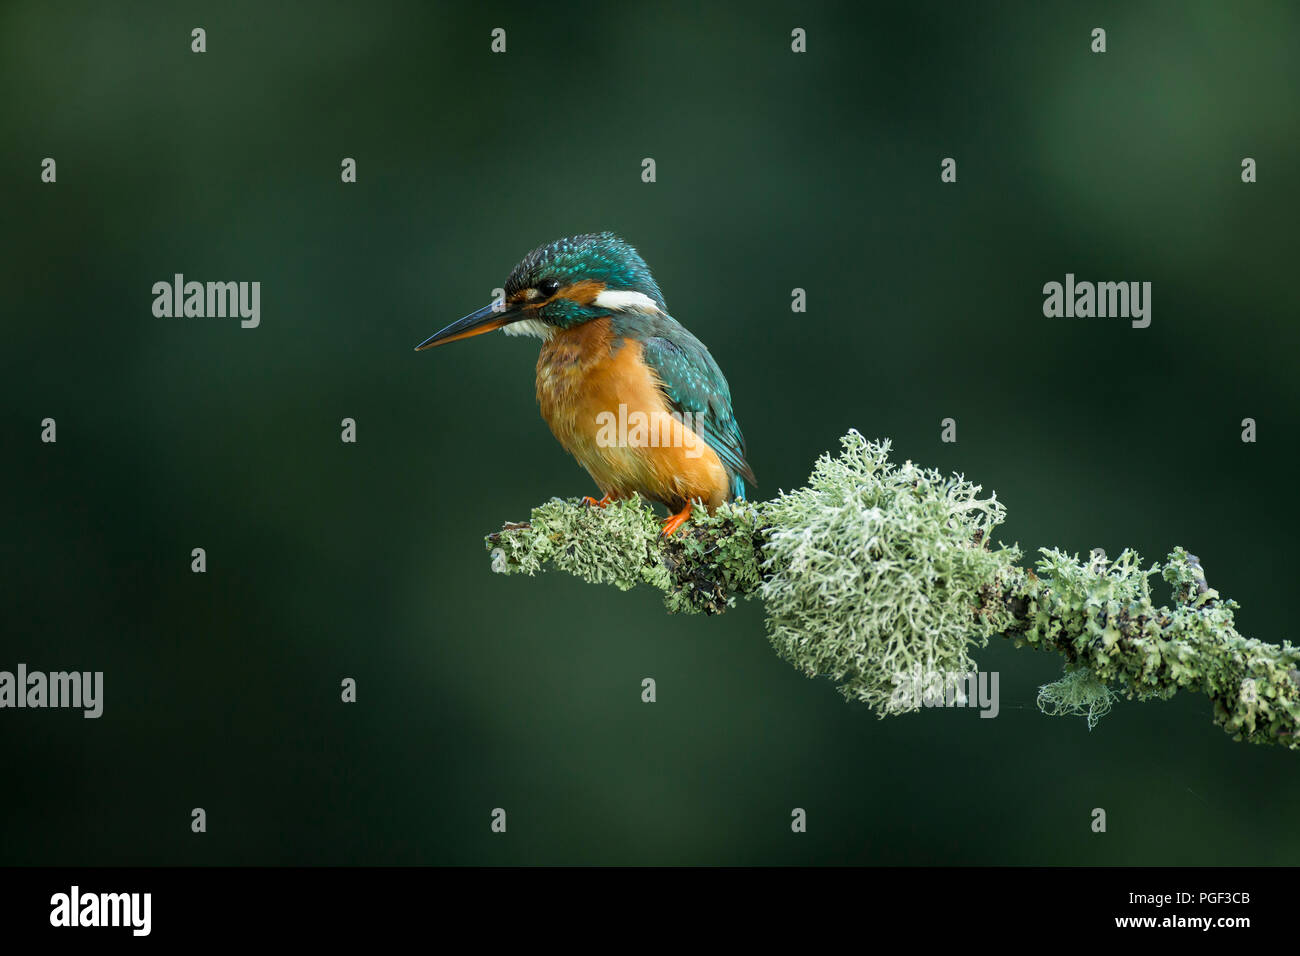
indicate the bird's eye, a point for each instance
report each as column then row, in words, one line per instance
column 548, row 287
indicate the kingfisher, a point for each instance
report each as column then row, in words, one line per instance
column 625, row 388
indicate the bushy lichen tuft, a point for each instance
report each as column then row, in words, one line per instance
column 1090, row 607
column 873, row 572
column 700, row 569
column 1077, row 694
column 612, row 545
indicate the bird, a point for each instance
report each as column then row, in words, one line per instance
column 626, row 389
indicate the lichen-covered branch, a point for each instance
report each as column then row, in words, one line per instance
column 875, row 571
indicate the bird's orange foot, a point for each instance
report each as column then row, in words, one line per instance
column 676, row 521
column 588, row 500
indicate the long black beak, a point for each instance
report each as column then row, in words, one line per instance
column 486, row 319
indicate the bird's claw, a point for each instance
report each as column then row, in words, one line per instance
column 675, row 522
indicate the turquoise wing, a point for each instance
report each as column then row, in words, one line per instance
column 695, row 384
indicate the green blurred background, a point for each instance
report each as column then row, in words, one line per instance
column 775, row 170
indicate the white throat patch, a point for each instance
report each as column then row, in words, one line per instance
column 534, row 327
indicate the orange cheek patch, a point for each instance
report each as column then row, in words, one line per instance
column 583, row 292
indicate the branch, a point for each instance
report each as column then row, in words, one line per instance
column 874, row 572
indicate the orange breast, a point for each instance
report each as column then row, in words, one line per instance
column 609, row 410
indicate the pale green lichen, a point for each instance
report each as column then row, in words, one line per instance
column 1078, row 694
column 1103, row 618
column 874, row 571
column 611, row 545
column 700, row 568
column 713, row 558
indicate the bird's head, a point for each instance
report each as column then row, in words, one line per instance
column 560, row 285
